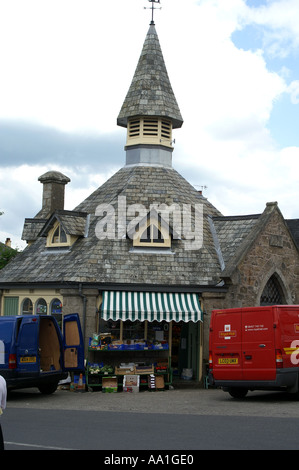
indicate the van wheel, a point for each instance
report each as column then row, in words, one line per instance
column 47, row 389
column 237, row 392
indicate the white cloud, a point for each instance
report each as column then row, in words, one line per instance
column 70, row 64
column 232, row 92
column 280, row 22
column 293, row 89
column 63, row 61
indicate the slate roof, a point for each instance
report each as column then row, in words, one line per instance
column 237, row 242
column 226, row 240
column 150, row 93
column 73, row 222
column 293, row 226
column 231, row 231
column 32, row 228
column 112, row 261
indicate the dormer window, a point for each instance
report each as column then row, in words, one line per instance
column 152, row 233
column 58, row 237
column 64, row 228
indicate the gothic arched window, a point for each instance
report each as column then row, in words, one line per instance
column 272, row 293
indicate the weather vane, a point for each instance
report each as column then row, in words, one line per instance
column 153, row 8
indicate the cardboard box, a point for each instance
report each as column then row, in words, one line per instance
column 156, row 382
column 109, row 384
column 131, row 383
column 160, row 382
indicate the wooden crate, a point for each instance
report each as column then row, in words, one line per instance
column 144, row 369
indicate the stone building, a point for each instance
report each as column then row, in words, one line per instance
column 146, row 256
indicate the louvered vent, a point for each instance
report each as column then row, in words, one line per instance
column 134, row 128
column 166, row 130
column 154, row 131
column 150, row 127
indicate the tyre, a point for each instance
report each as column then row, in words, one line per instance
column 47, row 389
column 237, row 392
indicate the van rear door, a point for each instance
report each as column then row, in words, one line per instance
column 27, row 346
column 73, row 343
column 226, row 339
column 8, row 327
column 288, row 325
column 258, row 344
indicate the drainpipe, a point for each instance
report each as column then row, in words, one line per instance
column 84, row 299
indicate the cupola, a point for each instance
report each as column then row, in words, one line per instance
column 150, row 111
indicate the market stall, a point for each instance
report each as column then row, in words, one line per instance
column 134, row 338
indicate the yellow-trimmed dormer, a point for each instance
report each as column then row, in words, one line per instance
column 57, row 237
column 152, row 235
column 151, row 232
column 64, row 228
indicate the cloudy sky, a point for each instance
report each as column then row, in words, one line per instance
column 66, row 66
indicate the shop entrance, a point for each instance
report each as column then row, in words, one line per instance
column 153, row 321
column 185, row 349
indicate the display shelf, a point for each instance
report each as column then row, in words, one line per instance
column 102, row 363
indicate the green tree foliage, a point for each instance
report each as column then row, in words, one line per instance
column 6, row 254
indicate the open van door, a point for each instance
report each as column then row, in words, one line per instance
column 73, row 345
column 27, row 358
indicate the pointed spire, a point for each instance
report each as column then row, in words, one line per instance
column 150, row 93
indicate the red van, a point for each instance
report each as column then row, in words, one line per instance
column 255, row 348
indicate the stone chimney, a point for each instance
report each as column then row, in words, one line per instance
column 8, row 242
column 53, row 192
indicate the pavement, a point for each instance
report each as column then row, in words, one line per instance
column 212, row 402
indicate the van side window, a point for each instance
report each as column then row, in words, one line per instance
column 18, row 324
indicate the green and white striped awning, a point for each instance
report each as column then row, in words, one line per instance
column 151, row 306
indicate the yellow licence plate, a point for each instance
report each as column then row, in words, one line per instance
column 228, row 360
column 28, row 359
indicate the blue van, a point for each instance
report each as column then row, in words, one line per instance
column 34, row 353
